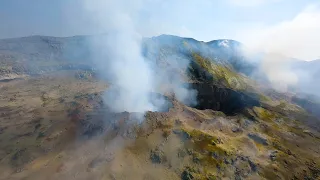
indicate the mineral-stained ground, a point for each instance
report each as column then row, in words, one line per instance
column 55, row 125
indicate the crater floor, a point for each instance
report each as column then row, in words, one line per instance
column 56, row 126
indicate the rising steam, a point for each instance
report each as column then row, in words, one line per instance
column 282, row 43
column 118, row 53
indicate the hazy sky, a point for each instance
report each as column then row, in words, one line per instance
column 288, row 26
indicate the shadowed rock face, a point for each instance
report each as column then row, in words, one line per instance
column 214, row 94
column 258, row 139
column 307, row 104
column 222, row 99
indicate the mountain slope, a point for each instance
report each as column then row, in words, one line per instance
column 223, row 61
column 54, row 123
column 37, row 54
column 45, row 52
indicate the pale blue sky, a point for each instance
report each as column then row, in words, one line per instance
column 211, row 19
column 202, row 19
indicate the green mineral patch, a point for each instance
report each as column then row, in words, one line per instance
column 205, row 149
column 222, row 74
column 265, row 114
column 283, row 163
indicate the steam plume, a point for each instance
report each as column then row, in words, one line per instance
column 282, row 42
column 119, row 56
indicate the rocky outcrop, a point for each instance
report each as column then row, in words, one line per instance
column 229, row 101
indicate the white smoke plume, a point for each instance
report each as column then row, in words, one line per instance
column 131, row 78
column 284, row 45
column 278, row 72
column 118, row 54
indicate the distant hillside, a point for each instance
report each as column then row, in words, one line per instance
column 220, row 62
column 38, row 54
column 47, row 53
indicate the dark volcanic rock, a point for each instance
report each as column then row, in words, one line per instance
column 157, row 156
column 258, row 139
column 91, row 128
column 308, row 104
column 273, row 155
column 230, row 102
column 186, row 175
